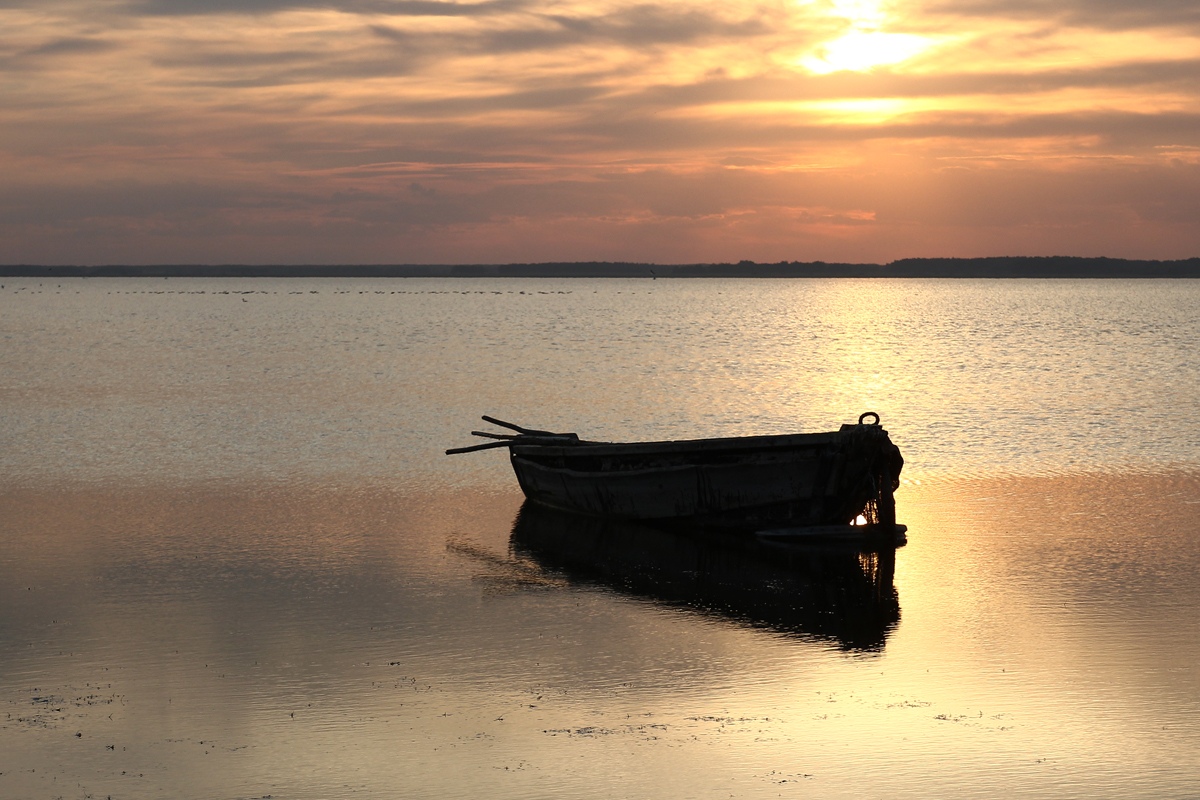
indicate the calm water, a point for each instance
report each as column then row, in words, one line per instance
column 234, row 563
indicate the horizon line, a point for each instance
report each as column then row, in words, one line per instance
column 949, row 267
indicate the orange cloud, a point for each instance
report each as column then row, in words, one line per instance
column 518, row 130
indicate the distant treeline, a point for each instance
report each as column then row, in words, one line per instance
column 999, row 267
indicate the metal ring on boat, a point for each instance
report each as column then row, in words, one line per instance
column 866, row 414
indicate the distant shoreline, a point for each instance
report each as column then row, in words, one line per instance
column 997, row 267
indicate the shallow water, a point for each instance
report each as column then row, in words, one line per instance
column 233, row 562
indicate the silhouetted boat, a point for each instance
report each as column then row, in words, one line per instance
column 784, row 485
column 828, row 592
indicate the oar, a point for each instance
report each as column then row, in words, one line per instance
column 474, row 447
column 549, row 440
column 486, row 435
column 518, row 428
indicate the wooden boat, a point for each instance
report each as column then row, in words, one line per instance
column 781, row 484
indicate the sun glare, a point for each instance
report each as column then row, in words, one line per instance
column 864, row 50
column 866, row 45
column 865, row 13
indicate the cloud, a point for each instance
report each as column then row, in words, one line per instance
column 400, row 8
column 891, row 84
column 712, row 214
column 533, row 99
column 643, row 25
column 649, row 24
column 437, row 127
column 47, row 52
column 378, row 50
column 225, row 65
column 70, row 46
column 1102, row 14
column 127, row 199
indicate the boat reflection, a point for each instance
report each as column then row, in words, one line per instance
column 834, row 592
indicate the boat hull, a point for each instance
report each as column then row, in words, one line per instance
column 796, row 479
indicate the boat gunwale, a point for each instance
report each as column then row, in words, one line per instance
column 626, row 474
column 783, row 441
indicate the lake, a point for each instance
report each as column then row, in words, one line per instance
column 235, row 563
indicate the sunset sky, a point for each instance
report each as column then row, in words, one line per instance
column 420, row 131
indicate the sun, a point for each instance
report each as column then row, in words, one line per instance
column 866, row 44
column 863, row 50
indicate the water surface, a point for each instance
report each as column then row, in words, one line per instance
column 234, row 563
